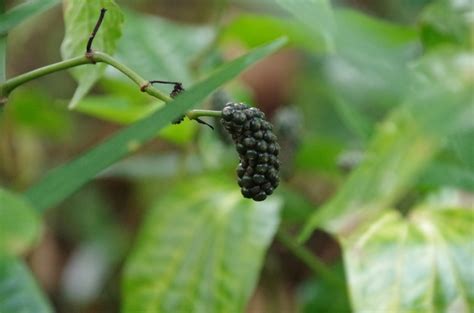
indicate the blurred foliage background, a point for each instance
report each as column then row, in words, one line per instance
column 373, row 103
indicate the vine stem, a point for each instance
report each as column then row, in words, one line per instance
column 8, row 86
column 90, row 59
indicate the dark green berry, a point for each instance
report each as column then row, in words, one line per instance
column 261, row 168
column 239, row 118
column 258, row 135
column 257, row 147
column 260, row 196
column 251, row 154
column 246, row 192
column 249, row 142
column 227, row 113
column 262, row 146
column 247, row 181
column 258, row 179
column 240, row 170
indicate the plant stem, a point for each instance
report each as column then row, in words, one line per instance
column 100, row 57
column 91, row 58
column 198, row 113
column 308, row 258
column 12, row 83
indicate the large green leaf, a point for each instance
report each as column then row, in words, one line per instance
column 21, row 12
column 402, row 147
column 66, row 179
column 160, row 49
column 80, row 18
column 19, row 224
column 422, row 263
column 18, row 289
column 200, row 250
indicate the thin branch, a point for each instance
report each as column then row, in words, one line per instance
column 11, row 84
column 94, row 32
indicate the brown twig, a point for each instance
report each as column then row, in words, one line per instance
column 94, row 32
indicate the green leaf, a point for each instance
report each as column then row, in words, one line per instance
column 422, row 263
column 402, row 147
column 200, row 250
column 244, row 26
column 317, row 16
column 23, row 11
column 160, row 49
column 80, row 17
column 18, row 289
column 19, row 224
column 66, row 179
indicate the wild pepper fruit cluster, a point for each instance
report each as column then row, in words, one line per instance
column 257, row 147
